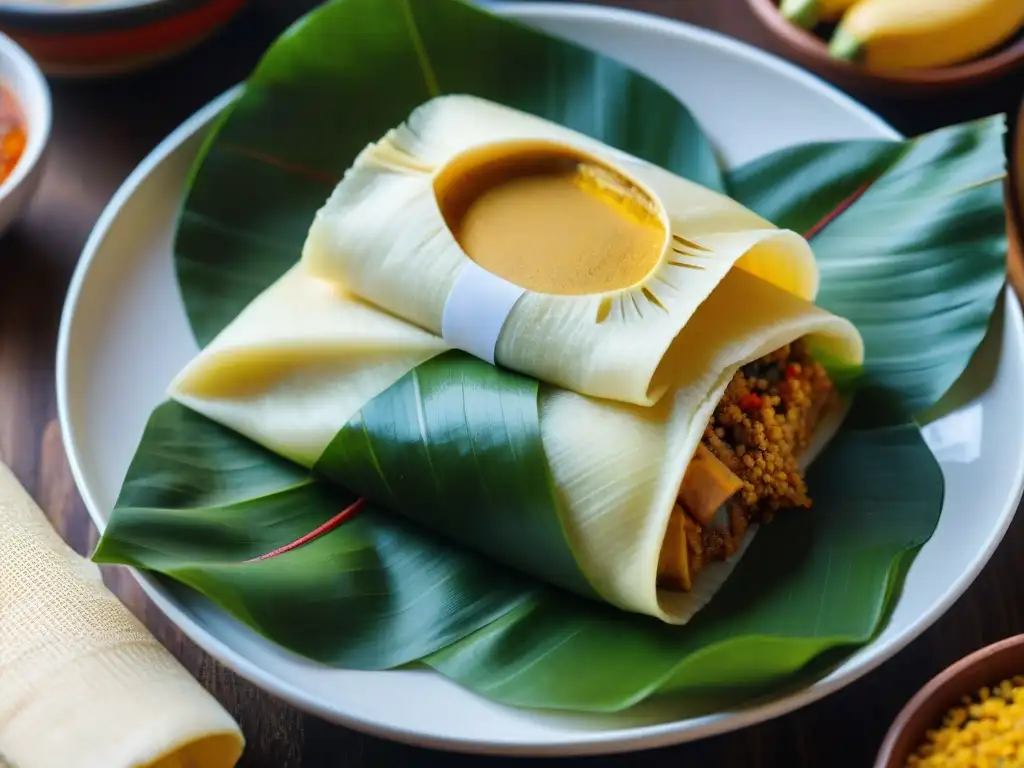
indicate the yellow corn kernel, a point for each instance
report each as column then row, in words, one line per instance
column 986, row 731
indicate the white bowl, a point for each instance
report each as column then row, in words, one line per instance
column 19, row 74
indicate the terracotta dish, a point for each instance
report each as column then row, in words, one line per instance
column 811, row 51
column 986, row 667
column 1015, row 205
column 102, row 37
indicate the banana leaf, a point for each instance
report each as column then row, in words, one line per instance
column 205, row 507
column 200, row 502
column 509, row 494
column 915, row 216
column 812, row 580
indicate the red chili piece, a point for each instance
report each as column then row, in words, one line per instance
column 750, row 402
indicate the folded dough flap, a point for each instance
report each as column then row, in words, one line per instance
column 540, row 248
column 298, row 363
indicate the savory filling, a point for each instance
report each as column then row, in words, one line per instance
column 747, row 464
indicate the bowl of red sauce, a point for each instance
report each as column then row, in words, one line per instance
column 25, row 117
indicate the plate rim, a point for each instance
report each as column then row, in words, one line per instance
column 610, row 741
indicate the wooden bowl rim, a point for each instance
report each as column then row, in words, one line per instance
column 19, row 17
column 925, row 695
column 1015, row 202
column 811, row 45
column 99, row 7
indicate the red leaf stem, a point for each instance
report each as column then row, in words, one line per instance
column 345, row 515
column 829, row 217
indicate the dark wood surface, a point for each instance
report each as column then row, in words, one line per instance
column 102, row 129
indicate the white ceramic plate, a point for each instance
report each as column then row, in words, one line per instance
column 124, row 335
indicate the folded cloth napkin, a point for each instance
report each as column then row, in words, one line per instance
column 82, row 683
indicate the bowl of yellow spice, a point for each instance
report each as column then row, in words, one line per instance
column 969, row 716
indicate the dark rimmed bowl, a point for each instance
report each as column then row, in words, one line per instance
column 811, row 51
column 111, row 36
column 987, row 667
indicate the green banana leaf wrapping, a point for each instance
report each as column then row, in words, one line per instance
column 464, row 557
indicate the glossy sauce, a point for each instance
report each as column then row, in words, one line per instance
column 12, row 133
column 549, row 220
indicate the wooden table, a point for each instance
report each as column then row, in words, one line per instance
column 102, row 129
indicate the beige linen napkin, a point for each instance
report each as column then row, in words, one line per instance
column 82, row 683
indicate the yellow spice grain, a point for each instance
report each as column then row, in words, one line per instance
column 984, row 732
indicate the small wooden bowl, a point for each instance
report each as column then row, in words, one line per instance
column 986, row 667
column 1015, row 206
column 109, row 37
column 811, row 51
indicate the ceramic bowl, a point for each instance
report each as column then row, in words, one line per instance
column 20, row 75
column 103, row 37
column 986, row 667
column 811, row 51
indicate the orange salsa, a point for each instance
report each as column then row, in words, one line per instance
column 12, row 133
